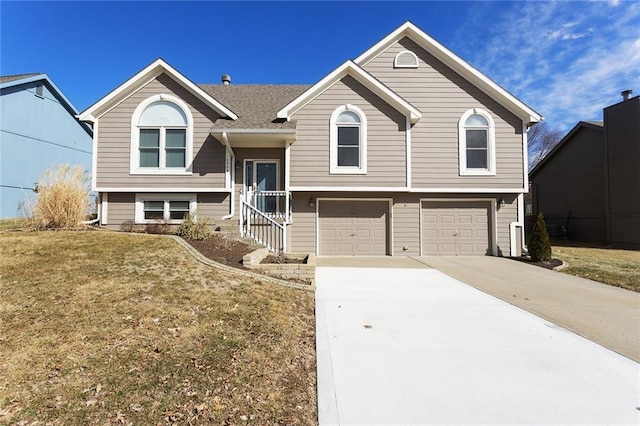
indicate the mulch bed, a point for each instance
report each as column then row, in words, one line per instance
column 549, row 264
column 222, row 250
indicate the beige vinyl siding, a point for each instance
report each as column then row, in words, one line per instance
column 405, row 218
column 213, row 206
column 120, row 208
column 443, row 96
column 114, row 144
column 506, row 215
column 386, row 148
column 302, row 231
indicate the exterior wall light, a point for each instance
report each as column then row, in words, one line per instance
column 312, row 202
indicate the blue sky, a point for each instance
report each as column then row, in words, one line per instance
column 567, row 59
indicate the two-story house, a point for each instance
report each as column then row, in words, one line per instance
column 588, row 186
column 38, row 131
column 406, row 150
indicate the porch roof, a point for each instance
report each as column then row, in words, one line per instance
column 256, row 105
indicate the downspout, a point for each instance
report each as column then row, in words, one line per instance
column 232, row 173
column 97, row 219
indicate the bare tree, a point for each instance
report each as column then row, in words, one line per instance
column 542, row 139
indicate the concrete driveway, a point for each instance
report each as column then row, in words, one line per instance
column 415, row 346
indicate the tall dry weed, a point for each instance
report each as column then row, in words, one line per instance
column 63, row 199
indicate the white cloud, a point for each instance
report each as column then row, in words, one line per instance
column 567, row 60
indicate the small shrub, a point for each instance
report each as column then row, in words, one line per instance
column 127, row 226
column 539, row 245
column 131, row 226
column 63, row 198
column 157, row 228
column 193, row 229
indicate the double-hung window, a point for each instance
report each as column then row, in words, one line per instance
column 161, row 137
column 476, row 139
column 348, row 141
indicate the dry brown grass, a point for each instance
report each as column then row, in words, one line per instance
column 62, row 201
column 620, row 268
column 105, row 328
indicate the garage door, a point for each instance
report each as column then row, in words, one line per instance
column 353, row 228
column 455, row 228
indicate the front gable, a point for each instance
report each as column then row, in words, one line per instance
column 116, row 152
column 146, row 75
column 349, row 68
column 452, row 61
column 385, row 153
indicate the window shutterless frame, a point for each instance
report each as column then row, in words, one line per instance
column 162, row 137
column 476, row 138
column 348, row 141
column 165, row 208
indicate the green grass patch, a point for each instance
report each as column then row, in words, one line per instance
column 620, row 268
column 101, row 327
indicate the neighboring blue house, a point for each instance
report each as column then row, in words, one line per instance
column 38, row 131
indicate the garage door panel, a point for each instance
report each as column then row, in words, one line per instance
column 358, row 227
column 455, row 228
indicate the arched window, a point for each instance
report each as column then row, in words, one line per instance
column 161, row 135
column 405, row 59
column 476, row 138
column 348, row 140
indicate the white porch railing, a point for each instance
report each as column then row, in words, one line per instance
column 275, row 204
column 264, row 216
column 262, row 228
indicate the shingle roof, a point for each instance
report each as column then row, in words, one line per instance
column 255, row 105
column 5, row 78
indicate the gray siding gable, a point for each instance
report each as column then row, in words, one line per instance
column 443, row 96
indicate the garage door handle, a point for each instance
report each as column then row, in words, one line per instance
column 455, row 233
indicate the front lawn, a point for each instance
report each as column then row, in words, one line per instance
column 620, row 268
column 110, row 328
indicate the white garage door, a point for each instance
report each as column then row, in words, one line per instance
column 353, row 228
column 455, row 228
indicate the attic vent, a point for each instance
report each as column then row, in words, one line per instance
column 405, row 59
column 39, row 90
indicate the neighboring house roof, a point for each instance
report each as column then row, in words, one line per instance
column 7, row 78
column 153, row 70
column 16, row 80
column 256, row 105
column 597, row 125
column 457, row 64
column 366, row 79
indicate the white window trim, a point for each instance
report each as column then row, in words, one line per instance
column 462, row 147
column 141, row 198
column 333, row 143
column 134, row 167
column 397, row 65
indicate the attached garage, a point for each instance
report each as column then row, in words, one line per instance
column 353, row 228
column 456, row 228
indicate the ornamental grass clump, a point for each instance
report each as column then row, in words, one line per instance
column 539, row 245
column 63, row 200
